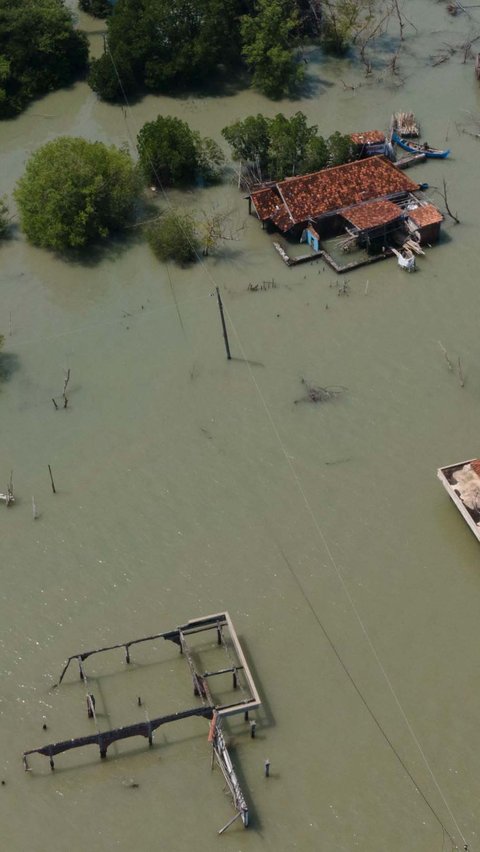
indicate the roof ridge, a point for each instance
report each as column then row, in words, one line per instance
column 286, row 205
column 369, row 160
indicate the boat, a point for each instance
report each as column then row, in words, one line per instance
column 462, row 483
column 405, row 258
column 417, row 148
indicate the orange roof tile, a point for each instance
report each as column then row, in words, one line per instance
column 266, row 202
column 282, row 219
column 372, row 213
column 310, row 196
column 426, row 214
column 369, row 137
column 341, row 186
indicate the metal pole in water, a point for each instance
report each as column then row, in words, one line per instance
column 224, row 327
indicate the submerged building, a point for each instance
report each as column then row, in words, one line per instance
column 370, row 200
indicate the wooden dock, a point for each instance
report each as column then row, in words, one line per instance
column 410, row 160
column 322, row 254
column 227, row 640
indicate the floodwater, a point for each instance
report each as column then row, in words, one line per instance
column 188, row 485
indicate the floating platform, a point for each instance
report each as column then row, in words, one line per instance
column 228, row 642
column 405, row 124
column 460, row 483
column 410, row 160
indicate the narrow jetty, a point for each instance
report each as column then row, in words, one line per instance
column 410, row 160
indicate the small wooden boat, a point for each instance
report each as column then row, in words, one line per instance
column 417, row 148
column 462, row 483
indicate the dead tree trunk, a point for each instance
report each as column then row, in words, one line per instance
column 445, row 199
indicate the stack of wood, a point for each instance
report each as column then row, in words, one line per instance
column 414, row 246
column 405, row 124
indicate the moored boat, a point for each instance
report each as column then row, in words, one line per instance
column 405, row 258
column 462, row 483
column 417, row 148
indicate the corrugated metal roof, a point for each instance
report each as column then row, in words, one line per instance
column 426, row 214
column 372, row 214
column 368, row 137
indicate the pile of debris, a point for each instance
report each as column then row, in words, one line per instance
column 405, row 124
column 467, row 485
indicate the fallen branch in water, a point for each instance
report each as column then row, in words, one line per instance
column 445, row 355
column 320, row 394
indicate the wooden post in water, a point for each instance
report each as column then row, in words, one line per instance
column 51, row 479
column 224, row 327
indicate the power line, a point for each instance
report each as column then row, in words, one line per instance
column 321, row 535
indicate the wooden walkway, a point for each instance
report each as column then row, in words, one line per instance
column 410, row 160
column 227, row 638
column 104, row 739
column 316, row 255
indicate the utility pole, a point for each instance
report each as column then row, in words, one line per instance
column 224, row 327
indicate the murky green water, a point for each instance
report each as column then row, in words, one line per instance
column 188, row 485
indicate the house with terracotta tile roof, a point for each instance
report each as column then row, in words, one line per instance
column 324, row 196
column 368, row 143
column 426, row 220
column 370, row 202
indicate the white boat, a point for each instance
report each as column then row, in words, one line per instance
column 462, row 483
column 405, row 259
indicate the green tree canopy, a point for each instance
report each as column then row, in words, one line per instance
column 289, row 140
column 5, row 218
column 39, row 51
column 74, row 192
column 342, row 21
column 174, row 237
column 250, row 140
column 268, row 39
column 341, row 149
column 172, row 154
column 97, row 8
column 165, row 44
column 317, row 155
column 280, row 147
